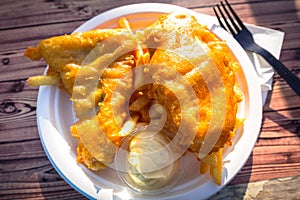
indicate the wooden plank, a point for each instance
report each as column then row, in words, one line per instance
column 17, row 151
column 20, row 134
column 17, row 14
column 20, row 39
column 17, row 111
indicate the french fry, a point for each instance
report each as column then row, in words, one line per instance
column 216, row 170
column 42, row 80
column 214, row 162
column 123, row 23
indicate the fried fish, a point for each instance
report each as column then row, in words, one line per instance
column 102, row 69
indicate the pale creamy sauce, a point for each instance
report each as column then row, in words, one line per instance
column 150, row 161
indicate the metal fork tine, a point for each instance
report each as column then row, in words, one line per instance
column 230, row 17
column 219, row 19
column 226, row 22
column 241, row 24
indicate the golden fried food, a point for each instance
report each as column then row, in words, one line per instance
column 69, row 59
column 215, row 53
column 64, row 54
column 170, row 35
column 102, row 150
column 101, row 70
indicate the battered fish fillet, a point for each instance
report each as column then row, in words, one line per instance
column 178, row 40
column 64, row 54
column 75, row 58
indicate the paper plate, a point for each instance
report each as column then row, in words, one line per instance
column 55, row 116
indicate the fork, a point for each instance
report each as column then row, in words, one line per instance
column 245, row 39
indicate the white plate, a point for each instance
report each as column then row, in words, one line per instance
column 54, row 116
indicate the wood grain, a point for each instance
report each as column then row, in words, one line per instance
column 25, row 171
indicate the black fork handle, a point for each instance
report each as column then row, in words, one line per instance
column 282, row 70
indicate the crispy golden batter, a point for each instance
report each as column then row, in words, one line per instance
column 64, row 54
column 181, row 43
column 95, row 153
column 101, row 79
column 170, row 34
column 70, row 61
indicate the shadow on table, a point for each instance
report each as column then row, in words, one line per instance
column 293, row 125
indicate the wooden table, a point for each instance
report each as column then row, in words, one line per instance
column 271, row 172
